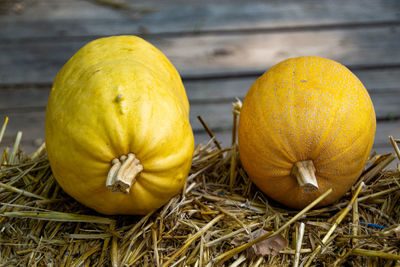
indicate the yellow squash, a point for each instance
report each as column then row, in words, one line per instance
column 118, row 135
column 306, row 125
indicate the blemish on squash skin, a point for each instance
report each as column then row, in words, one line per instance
column 119, row 100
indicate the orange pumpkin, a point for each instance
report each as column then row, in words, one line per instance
column 306, row 125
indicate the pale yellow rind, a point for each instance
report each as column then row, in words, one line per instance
column 115, row 96
column 306, row 108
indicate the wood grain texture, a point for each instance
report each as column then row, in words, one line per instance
column 210, row 98
column 218, row 113
column 85, row 17
column 199, row 91
column 219, row 48
column 39, row 61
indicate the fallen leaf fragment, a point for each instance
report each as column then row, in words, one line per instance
column 270, row 246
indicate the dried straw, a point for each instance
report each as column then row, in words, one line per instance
column 41, row 225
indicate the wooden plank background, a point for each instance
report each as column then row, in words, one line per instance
column 219, row 47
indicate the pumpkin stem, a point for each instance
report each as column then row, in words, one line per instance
column 304, row 171
column 122, row 174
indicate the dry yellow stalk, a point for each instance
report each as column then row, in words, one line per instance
column 373, row 253
column 298, row 244
column 3, row 128
column 189, row 241
column 395, row 146
column 229, row 254
column 343, row 213
column 208, row 189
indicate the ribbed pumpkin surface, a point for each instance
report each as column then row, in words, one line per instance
column 115, row 96
column 306, row 108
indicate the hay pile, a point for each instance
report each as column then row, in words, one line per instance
column 217, row 218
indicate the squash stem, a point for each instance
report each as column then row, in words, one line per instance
column 123, row 173
column 304, row 171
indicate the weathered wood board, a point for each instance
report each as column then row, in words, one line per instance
column 74, row 18
column 220, row 48
column 209, row 98
column 38, row 61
